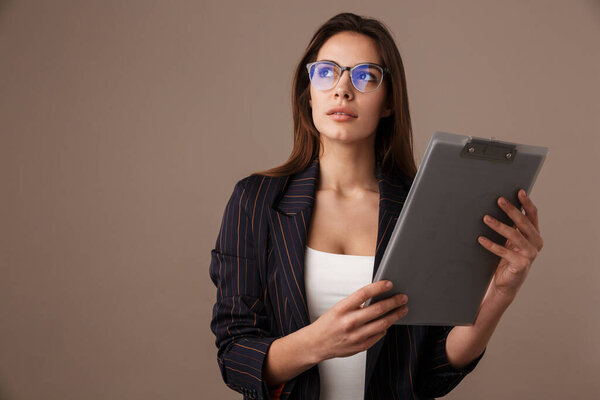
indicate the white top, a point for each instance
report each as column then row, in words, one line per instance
column 328, row 278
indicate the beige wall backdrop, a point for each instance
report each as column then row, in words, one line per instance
column 125, row 125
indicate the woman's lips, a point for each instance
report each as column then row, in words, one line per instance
column 341, row 117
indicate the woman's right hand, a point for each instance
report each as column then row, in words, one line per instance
column 348, row 328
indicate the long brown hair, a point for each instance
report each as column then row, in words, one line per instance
column 393, row 138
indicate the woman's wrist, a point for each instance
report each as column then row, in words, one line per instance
column 291, row 355
column 311, row 344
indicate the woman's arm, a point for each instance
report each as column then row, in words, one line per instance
column 465, row 343
column 240, row 319
column 288, row 357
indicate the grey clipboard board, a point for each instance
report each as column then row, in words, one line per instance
column 433, row 255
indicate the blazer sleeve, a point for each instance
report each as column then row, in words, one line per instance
column 436, row 376
column 239, row 320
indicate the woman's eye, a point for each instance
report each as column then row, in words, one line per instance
column 366, row 76
column 324, row 72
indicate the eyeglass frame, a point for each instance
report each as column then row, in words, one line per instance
column 384, row 70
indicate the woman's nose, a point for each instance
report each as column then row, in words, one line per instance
column 344, row 85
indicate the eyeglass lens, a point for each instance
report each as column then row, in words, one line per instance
column 325, row 75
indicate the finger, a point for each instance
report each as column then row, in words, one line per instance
column 517, row 261
column 515, row 238
column 370, row 341
column 530, row 208
column 363, row 294
column 382, row 323
column 376, row 310
column 523, row 223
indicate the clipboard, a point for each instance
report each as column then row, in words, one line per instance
column 433, row 255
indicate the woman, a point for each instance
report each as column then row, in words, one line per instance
column 299, row 244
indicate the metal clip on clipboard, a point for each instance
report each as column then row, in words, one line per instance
column 489, row 150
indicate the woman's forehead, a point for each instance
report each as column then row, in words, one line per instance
column 349, row 49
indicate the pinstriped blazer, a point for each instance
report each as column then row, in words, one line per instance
column 257, row 266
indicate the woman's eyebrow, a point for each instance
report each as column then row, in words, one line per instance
column 362, row 62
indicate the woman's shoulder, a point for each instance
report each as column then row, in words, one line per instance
column 261, row 185
column 257, row 191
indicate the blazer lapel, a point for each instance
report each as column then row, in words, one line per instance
column 290, row 218
column 291, row 214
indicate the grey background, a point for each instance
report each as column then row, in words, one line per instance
column 125, row 124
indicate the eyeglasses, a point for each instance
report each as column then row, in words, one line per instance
column 365, row 77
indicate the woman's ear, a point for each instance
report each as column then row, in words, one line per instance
column 386, row 112
column 388, row 109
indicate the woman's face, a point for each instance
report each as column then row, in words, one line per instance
column 348, row 49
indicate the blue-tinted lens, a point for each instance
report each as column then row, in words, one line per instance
column 366, row 78
column 323, row 75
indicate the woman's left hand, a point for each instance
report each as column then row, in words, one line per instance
column 523, row 244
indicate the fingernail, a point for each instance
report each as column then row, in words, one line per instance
column 502, row 201
column 523, row 194
column 389, row 284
